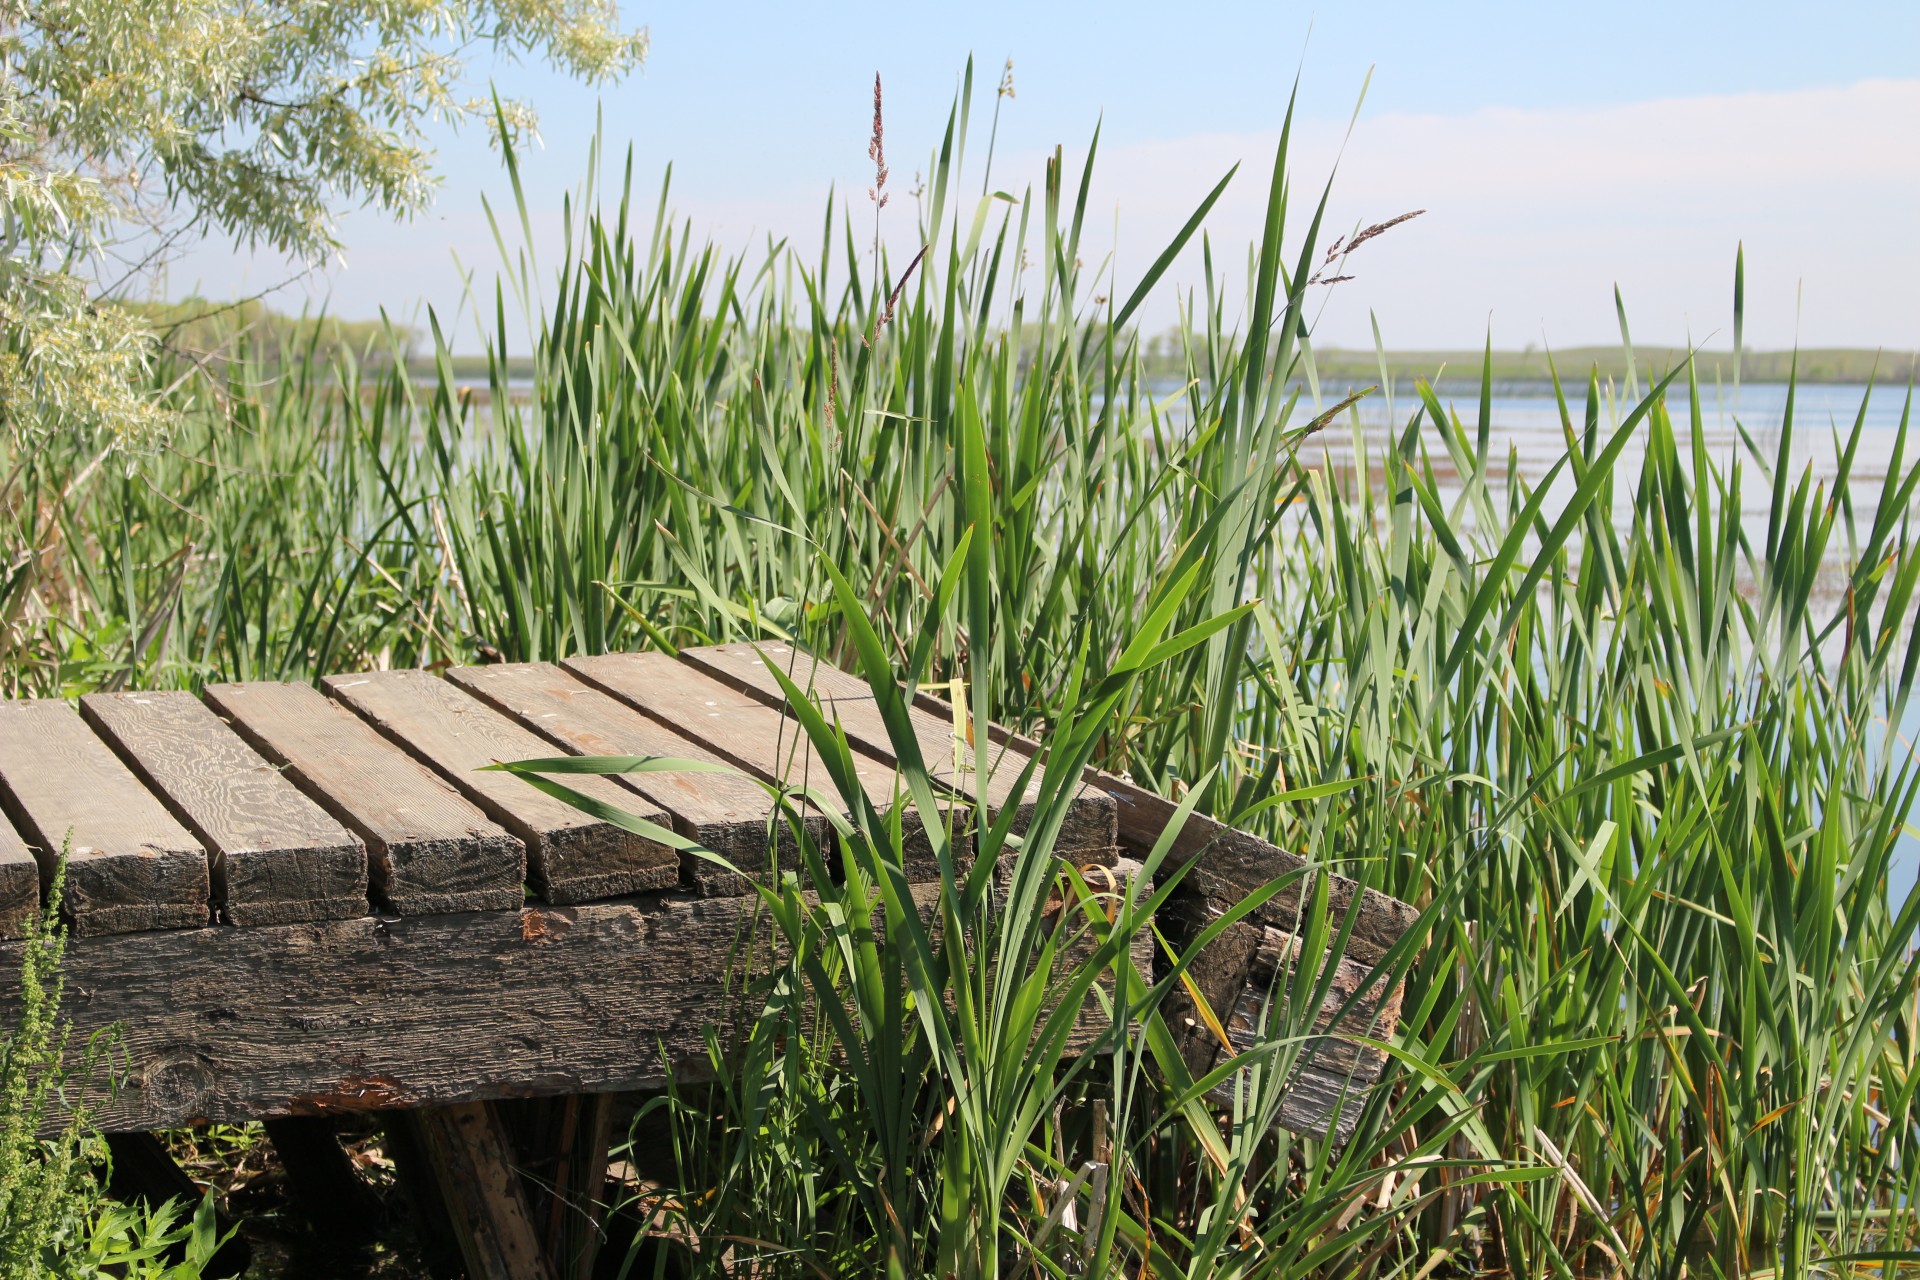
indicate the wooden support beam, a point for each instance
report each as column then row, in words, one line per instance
column 561, row 1148
column 468, row 1150
column 571, row 857
column 326, row 1186
column 725, row 812
column 379, row 1013
column 586, row 1231
column 431, row 850
column 132, row 865
column 432, row 1222
column 277, row 856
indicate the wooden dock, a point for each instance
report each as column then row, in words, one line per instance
column 296, row 901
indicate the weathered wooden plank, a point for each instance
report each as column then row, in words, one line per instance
column 757, row 737
column 1230, row 863
column 1089, row 825
column 468, row 1150
column 19, row 883
column 1252, row 963
column 571, row 857
column 132, row 866
column 383, row 1013
column 1351, row 1011
column 430, row 849
column 723, row 812
column 276, row 855
column 847, row 699
column 1310, row 1102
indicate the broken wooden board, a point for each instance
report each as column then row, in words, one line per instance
column 1241, row 974
column 1230, row 864
column 381, row 1013
column 571, row 856
column 721, row 811
column 431, row 850
column 760, row 739
column 277, row 856
column 1088, row 832
column 131, row 865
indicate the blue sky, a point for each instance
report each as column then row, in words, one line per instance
column 1559, row 148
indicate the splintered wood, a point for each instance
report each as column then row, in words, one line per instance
column 296, row 900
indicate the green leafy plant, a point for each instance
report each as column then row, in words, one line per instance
column 48, row 1194
column 55, row 1219
column 130, row 126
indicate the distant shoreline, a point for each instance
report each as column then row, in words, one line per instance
column 1345, row 367
column 1819, row 365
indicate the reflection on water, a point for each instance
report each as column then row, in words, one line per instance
column 1527, row 437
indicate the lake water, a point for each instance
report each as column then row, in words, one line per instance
column 1526, row 432
column 1525, row 418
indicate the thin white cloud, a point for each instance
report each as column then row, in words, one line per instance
column 1532, row 218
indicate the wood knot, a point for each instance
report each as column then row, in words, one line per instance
column 177, row 1081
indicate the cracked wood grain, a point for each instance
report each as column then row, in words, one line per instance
column 132, row 865
column 380, row 1013
column 277, row 856
column 571, row 856
column 430, row 849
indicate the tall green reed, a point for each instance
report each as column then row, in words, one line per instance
column 287, row 527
